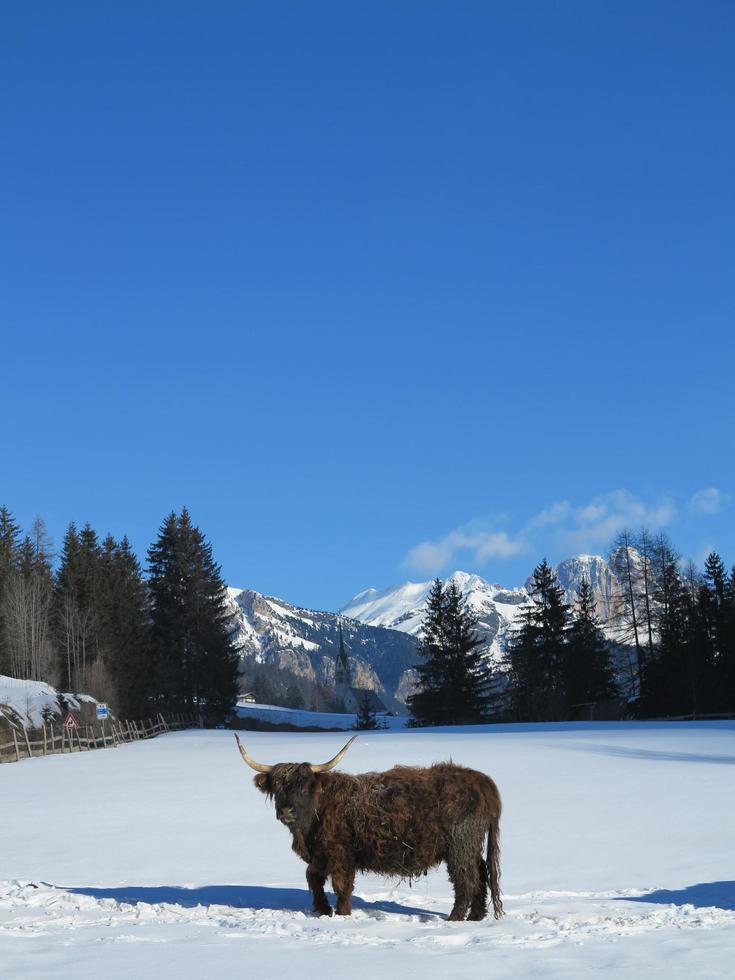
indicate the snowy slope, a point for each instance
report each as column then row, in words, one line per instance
column 617, row 860
column 27, row 701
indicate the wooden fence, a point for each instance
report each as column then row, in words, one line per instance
column 51, row 739
column 695, row 717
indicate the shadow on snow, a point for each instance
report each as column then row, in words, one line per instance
column 717, row 894
column 655, row 755
column 237, row 897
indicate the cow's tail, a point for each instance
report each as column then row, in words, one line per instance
column 492, row 863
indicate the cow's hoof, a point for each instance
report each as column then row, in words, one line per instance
column 322, row 910
column 455, row 916
column 340, row 911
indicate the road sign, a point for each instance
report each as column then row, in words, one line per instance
column 70, row 723
column 102, row 711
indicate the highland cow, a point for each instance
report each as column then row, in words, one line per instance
column 396, row 823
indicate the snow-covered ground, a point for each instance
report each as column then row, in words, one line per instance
column 277, row 715
column 34, row 701
column 160, row 859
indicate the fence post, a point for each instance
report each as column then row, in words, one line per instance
column 15, row 742
column 28, row 744
column 44, row 738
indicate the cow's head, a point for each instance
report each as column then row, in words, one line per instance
column 292, row 786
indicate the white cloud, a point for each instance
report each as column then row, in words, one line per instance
column 593, row 525
column 562, row 526
column 431, row 557
column 708, row 501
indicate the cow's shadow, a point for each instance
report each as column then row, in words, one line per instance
column 254, row 897
column 717, row 894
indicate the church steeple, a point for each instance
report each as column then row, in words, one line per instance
column 341, row 668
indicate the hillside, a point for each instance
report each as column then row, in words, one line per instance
column 305, row 641
column 30, row 703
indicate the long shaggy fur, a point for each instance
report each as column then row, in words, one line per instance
column 397, row 823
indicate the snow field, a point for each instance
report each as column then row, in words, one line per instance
column 161, row 859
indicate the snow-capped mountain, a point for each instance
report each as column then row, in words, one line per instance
column 305, row 642
column 403, row 607
column 595, row 570
column 381, row 627
column 496, row 606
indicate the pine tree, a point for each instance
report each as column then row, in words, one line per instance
column 453, row 680
column 467, row 692
column 75, row 613
column 293, row 697
column 679, row 678
column 726, row 664
column 536, row 655
column 9, row 545
column 124, row 629
column 718, row 614
column 366, row 718
column 714, row 598
column 263, row 688
column 426, row 704
column 192, row 631
column 590, row 677
column 9, row 541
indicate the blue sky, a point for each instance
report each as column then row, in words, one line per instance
column 376, row 290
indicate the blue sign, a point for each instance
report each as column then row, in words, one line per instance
column 102, row 712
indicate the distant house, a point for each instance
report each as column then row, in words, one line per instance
column 353, row 698
column 248, row 697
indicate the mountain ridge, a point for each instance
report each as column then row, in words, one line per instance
column 382, row 626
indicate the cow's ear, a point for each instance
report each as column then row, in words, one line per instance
column 263, row 782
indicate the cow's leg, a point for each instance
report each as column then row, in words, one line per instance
column 464, row 890
column 315, row 879
column 343, row 881
column 478, row 908
column 464, row 869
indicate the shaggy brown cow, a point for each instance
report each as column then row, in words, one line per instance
column 397, row 823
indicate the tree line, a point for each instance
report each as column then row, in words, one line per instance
column 92, row 622
column 664, row 646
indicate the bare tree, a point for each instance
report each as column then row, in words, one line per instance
column 624, row 561
column 666, row 571
column 645, row 548
column 27, row 618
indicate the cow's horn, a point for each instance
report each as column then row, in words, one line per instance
column 257, row 766
column 326, row 766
